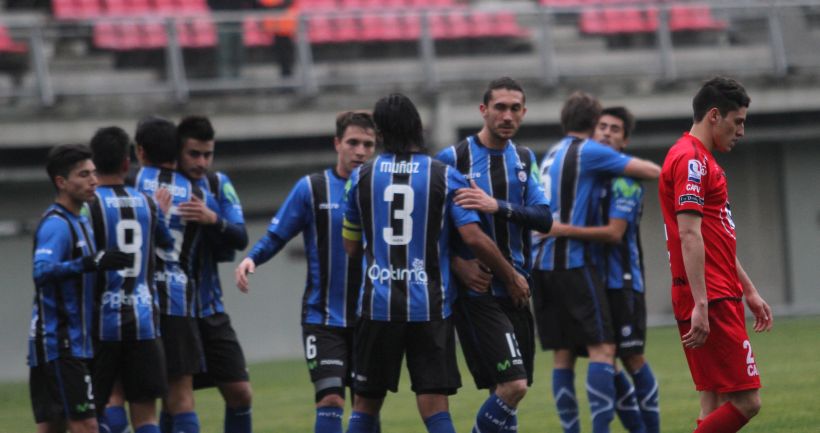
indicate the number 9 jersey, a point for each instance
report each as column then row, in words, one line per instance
column 401, row 206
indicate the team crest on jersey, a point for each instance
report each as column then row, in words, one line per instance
column 522, row 175
column 696, row 170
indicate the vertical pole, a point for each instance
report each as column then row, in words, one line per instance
column 40, row 65
column 305, row 53
column 777, row 42
column 175, row 67
column 665, row 50
column 427, row 51
column 546, row 51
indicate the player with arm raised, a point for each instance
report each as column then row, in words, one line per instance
column 400, row 206
column 571, row 308
column 495, row 328
column 708, row 282
column 66, row 262
column 315, row 207
column 129, row 348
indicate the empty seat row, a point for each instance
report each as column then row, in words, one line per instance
column 310, row 5
column 88, row 9
column 610, row 21
column 192, row 33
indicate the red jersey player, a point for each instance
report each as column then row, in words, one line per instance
column 708, row 282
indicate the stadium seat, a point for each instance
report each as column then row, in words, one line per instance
column 592, row 22
column 320, row 30
column 9, row 45
column 625, row 20
column 254, row 33
column 346, row 29
column 76, row 9
column 694, row 18
column 506, row 25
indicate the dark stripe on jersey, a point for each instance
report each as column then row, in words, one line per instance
column 569, row 180
column 100, row 234
column 499, row 181
column 525, row 158
column 128, row 326
column 464, row 157
column 321, row 218
column 151, row 269
column 81, row 282
column 365, row 192
column 353, row 282
column 164, row 287
column 399, row 293
column 437, row 202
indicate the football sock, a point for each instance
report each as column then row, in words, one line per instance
column 563, row 391
column 492, row 415
column 361, row 422
column 646, row 389
column 148, row 428
column 328, row 420
column 116, row 419
column 238, row 420
column 627, row 405
column 601, row 394
column 166, row 422
column 512, row 424
column 440, row 423
column 725, row 419
column 186, row 422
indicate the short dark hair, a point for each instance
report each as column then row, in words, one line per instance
column 158, row 138
column 580, row 113
column 503, row 83
column 362, row 119
column 625, row 115
column 110, row 146
column 722, row 93
column 63, row 158
column 399, row 123
column 196, row 127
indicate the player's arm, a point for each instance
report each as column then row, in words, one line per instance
column 533, row 217
column 642, row 169
column 352, row 223
column 218, row 229
column 487, row 253
column 764, row 319
column 472, row 273
column 611, row 233
column 692, row 249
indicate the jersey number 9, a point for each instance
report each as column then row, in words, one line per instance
column 129, row 240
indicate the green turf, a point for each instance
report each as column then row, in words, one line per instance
column 283, row 397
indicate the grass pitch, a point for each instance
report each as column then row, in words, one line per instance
column 788, row 358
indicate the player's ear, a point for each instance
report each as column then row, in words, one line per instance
column 59, row 182
column 714, row 115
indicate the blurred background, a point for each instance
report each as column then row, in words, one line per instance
column 273, row 74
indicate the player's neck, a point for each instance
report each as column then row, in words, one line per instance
column 341, row 171
column 491, row 141
column 110, row 179
column 577, row 134
column 70, row 204
column 702, row 134
column 165, row 165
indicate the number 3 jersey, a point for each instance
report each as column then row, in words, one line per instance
column 692, row 181
column 402, row 207
column 127, row 220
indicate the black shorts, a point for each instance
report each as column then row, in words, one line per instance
column 497, row 339
column 62, row 389
column 182, row 344
column 571, row 309
column 139, row 365
column 329, row 357
column 628, row 320
column 224, row 359
column 431, row 357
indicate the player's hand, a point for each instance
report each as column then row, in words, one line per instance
column 476, row 199
column 558, row 229
column 519, row 291
column 472, row 274
column 699, row 331
column 164, row 200
column 108, row 260
column 195, row 210
column 764, row 319
column 246, row 266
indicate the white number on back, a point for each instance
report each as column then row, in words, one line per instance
column 130, row 244
column 402, row 214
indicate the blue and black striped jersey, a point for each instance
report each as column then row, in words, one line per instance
column 129, row 221
column 509, row 175
column 402, row 207
column 572, row 172
column 174, row 271
column 621, row 264
column 63, row 311
column 315, row 207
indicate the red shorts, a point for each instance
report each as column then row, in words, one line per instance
column 726, row 362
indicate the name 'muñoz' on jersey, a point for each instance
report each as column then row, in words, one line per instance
column 315, row 207
column 63, row 309
column 402, row 207
column 127, row 220
column 174, row 271
column 571, row 172
column 511, row 175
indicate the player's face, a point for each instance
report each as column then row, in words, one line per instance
column 196, row 158
column 354, row 148
column 503, row 113
column 81, row 182
column 729, row 129
column 610, row 131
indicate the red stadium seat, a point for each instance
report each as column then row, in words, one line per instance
column 507, row 26
column 693, row 17
column 592, row 22
column 346, row 29
column 9, row 45
column 154, row 35
column 320, row 30
column 254, row 33
column 626, row 20
column 76, row 9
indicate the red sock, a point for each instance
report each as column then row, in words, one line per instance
column 726, row 419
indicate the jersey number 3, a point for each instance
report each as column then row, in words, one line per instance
column 403, row 214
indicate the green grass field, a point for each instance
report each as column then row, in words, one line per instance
column 283, row 397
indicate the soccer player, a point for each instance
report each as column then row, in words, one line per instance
column 223, row 234
column 571, row 308
column 157, row 151
column 129, row 350
column 66, row 262
column 315, row 207
column 496, row 331
column 619, row 259
column 708, row 282
column 401, row 206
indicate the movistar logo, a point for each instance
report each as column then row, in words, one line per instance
column 503, row 366
column 82, row 407
column 311, row 364
column 625, row 188
column 415, row 275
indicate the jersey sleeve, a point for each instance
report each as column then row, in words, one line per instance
column 689, row 177
column 447, row 156
column 292, row 216
column 229, row 205
column 603, row 159
column 352, row 223
column 52, row 247
column 626, row 199
column 535, row 189
column 458, row 214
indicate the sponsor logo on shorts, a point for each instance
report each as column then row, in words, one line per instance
column 503, row 366
column 338, row 362
column 690, row 198
column 626, row 331
column 361, row 378
column 312, row 364
column 84, row 407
